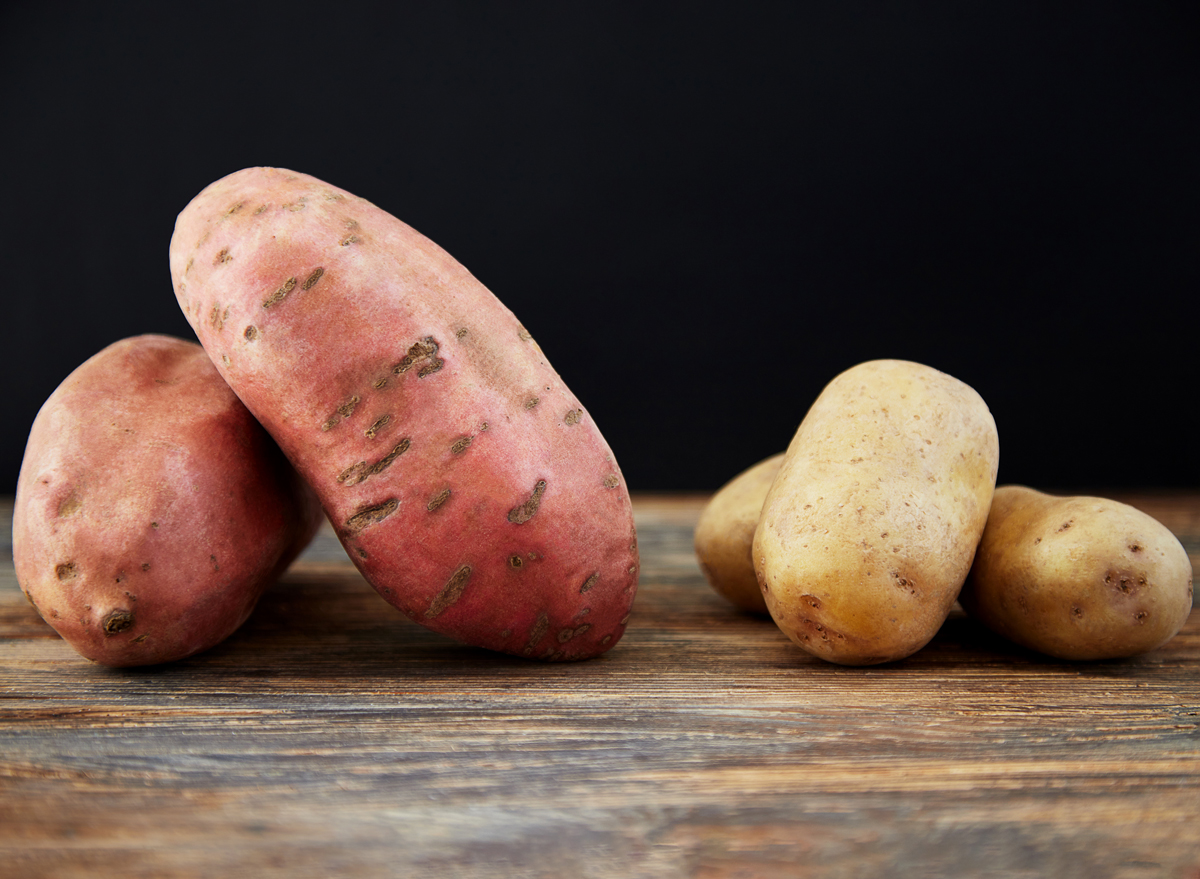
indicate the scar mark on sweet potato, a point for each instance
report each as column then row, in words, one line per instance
column 450, row 593
column 438, row 499
column 362, row 471
column 425, row 349
column 531, row 402
column 460, row 332
column 461, row 445
column 280, row 293
column 311, row 280
column 70, row 505
column 568, row 633
column 251, row 333
column 66, row 571
column 380, row 424
column 522, row 513
column 217, row 317
column 233, row 210
column 348, row 240
column 589, row 582
column 1064, row 526
column 260, row 209
column 611, row 481
column 343, row 411
column 371, row 515
column 573, row 416
column 117, row 621
column 523, row 334
column 538, row 630
column 222, row 256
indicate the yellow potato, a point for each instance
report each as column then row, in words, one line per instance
column 725, row 532
column 870, row 527
column 1078, row 577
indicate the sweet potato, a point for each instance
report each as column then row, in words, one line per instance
column 467, row 483
column 152, row 510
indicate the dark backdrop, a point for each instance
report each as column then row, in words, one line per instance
column 703, row 213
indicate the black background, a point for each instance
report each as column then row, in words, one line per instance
column 703, row 213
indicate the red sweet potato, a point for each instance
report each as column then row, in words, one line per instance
column 152, row 510
column 467, row 483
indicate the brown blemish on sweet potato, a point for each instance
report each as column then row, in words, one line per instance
column 589, row 582
column 523, row 334
column 280, row 293
column 371, row 515
column 69, row 506
column 343, row 411
column 311, row 280
column 379, row 424
column 66, row 571
column 117, row 621
column 461, row 445
column 425, row 349
column 522, row 513
column 362, row 471
column 461, row 332
column 611, row 481
column 438, row 499
column 222, row 256
column 539, row 629
column 450, row 593
column 573, row 416
column 251, row 333
column 348, row 240
column 531, row 402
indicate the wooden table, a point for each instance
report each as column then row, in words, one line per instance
column 331, row 737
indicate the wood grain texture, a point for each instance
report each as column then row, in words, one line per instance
column 332, row 737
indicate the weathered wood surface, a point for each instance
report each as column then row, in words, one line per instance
column 332, row 737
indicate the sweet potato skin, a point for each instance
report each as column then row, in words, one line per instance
column 152, row 511
column 465, row 480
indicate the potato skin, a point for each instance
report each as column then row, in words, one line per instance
column 870, row 527
column 466, row 482
column 1081, row 578
column 725, row 534
column 152, row 511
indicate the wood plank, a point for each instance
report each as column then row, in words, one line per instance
column 332, row 737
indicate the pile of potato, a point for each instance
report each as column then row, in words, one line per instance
column 349, row 360
column 884, row 510
column 352, row 366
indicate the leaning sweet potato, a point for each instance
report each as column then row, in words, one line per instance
column 152, row 510
column 466, row 482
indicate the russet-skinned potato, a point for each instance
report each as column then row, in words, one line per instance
column 1081, row 578
column 869, row 529
column 725, row 534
